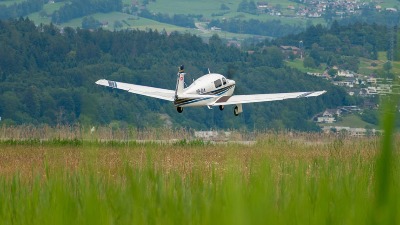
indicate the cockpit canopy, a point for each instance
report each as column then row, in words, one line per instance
column 218, row 83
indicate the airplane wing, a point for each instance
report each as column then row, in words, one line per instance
column 159, row 93
column 240, row 99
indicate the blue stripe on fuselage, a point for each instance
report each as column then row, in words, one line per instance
column 202, row 99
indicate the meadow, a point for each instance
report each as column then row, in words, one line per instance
column 70, row 175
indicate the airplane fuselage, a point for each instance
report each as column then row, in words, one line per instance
column 210, row 87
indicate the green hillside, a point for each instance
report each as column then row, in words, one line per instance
column 49, row 77
column 127, row 14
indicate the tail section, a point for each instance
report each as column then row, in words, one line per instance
column 180, row 82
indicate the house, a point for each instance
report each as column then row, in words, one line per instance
column 104, row 24
column 290, row 49
column 328, row 116
column 345, row 73
column 349, row 82
column 356, row 132
column 332, row 112
column 262, row 5
column 212, row 135
column 371, row 91
column 233, row 43
column 363, row 92
column 391, row 9
column 384, row 88
column 314, row 15
column 215, row 28
column 350, row 108
column 325, row 119
column 372, row 80
column 290, row 7
column 315, row 74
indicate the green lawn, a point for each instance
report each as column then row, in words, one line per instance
column 298, row 64
column 132, row 22
column 10, row 2
column 396, row 68
column 49, row 9
column 353, row 121
column 366, row 68
column 209, row 7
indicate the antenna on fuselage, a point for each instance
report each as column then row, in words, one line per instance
column 208, row 70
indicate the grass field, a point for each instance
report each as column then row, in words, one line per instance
column 298, row 64
column 11, row 2
column 282, row 179
column 353, row 121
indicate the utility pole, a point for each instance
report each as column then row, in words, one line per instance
column 301, row 49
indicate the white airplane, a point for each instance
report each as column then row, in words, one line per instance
column 209, row 90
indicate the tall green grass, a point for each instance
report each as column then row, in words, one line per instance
column 280, row 180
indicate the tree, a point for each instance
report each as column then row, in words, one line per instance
column 90, row 23
column 275, row 57
column 32, row 101
column 309, row 62
column 224, row 7
column 387, row 66
column 332, row 72
column 118, row 24
column 243, row 6
column 330, row 42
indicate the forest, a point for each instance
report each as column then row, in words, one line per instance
column 47, row 76
column 21, row 9
column 79, row 8
column 339, row 45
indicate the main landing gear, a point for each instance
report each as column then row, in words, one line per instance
column 221, row 107
column 179, row 109
column 236, row 111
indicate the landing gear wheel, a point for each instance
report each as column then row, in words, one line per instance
column 236, row 111
column 221, row 107
column 179, row 109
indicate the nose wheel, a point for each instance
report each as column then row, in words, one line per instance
column 179, row 109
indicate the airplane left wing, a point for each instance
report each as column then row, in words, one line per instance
column 159, row 93
column 241, row 99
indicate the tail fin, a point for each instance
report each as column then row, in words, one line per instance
column 180, row 82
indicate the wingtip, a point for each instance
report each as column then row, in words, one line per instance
column 101, row 82
column 317, row 93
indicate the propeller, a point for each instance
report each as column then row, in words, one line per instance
column 231, row 74
column 230, row 71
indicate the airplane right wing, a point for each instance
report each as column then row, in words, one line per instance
column 240, row 99
column 159, row 93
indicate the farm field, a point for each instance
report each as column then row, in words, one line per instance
column 209, row 7
column 281, row 179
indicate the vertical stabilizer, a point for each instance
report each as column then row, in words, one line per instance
column 180, row 82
